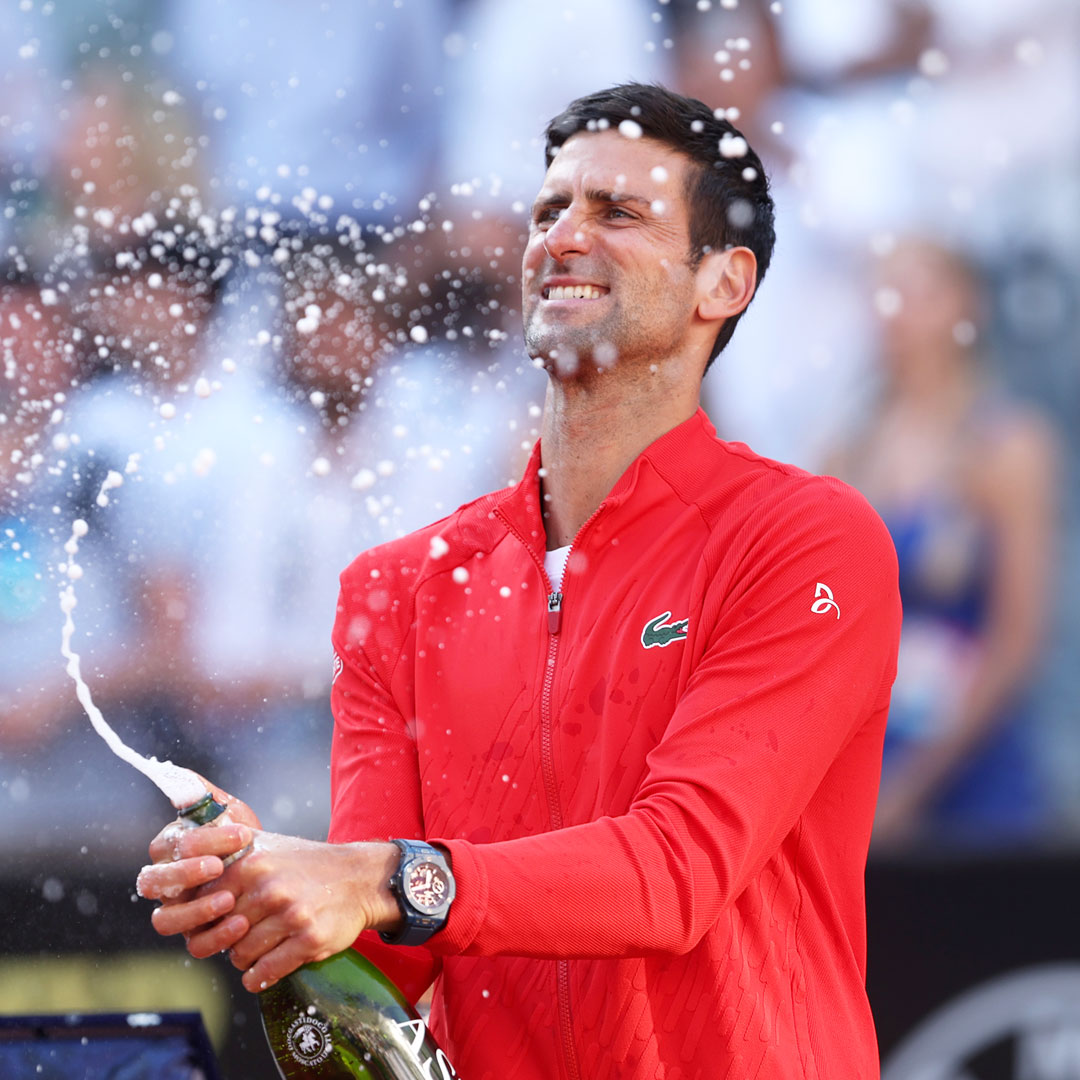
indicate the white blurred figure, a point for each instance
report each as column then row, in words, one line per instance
column 793, row 376
column 30, row 57
column 343, row 100
column 945, row 115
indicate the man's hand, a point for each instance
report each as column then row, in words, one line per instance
column 186, row 858
column 284, row 904
column 305, row 901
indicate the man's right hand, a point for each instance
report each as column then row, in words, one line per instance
column 187, row 860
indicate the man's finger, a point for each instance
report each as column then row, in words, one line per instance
column 275, row 965
column 219, row 937
column 168, row 881
column 266, row 934
column 191, row 915
column 172, row 844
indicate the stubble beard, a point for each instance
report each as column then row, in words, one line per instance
column 570, row 349
column 614, row 343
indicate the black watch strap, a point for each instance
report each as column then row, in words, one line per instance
column 423, row 885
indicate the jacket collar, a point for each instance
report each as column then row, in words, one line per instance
column 674, row 453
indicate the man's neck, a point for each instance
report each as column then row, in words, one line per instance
column 590, row 434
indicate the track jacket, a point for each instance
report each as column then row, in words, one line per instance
column 656, row 788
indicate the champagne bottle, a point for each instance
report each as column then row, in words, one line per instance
column 340, row 1018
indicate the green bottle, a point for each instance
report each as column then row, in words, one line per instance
column 341, row 1017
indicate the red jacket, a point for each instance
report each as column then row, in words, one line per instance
column 658, row 810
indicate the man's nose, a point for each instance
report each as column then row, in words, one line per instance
column 567, row 235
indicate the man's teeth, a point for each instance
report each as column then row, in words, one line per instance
column 573, row 292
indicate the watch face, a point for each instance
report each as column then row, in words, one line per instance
column 426, row 886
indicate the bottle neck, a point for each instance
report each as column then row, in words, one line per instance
column 204, row 811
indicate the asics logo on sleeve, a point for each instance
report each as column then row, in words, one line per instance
column 659, row 635
column 824, row 600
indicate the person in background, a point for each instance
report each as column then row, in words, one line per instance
column 806, row 337
column 36, row 339
column 966, row 480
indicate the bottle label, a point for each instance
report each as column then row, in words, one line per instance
column 418, row 1030
column 309, row 1040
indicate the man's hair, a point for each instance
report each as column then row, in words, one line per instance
column 727, row 192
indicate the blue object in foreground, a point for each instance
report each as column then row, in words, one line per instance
column 119, row 1046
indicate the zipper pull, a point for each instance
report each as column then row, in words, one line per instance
column 554, row 612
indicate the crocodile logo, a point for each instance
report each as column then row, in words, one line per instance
column 657, row 634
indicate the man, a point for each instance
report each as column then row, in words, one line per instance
column 654, row 783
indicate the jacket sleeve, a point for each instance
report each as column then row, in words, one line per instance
column 374, row 776
column 784, row 680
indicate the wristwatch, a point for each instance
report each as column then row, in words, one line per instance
column 423, row 886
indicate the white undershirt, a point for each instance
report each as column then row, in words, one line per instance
column 555, row 565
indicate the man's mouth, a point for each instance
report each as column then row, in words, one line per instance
column 573, row 292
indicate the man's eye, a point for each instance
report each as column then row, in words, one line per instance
column 618, row 212
column 548, row 215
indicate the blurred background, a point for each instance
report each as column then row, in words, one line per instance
column 261, row 261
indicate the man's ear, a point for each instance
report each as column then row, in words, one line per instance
column 726, row 281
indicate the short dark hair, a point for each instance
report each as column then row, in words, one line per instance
column 727, row 192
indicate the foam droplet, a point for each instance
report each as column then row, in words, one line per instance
column 733, row 146
column 364, row 479
column 933, row 63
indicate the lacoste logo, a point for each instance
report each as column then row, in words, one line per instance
column 824, row 600
column 657, row 634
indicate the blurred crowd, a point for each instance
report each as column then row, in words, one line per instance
column 259, row 312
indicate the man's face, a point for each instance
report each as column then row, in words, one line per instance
column 606, row 276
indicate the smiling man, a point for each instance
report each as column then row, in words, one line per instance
column 604, row 709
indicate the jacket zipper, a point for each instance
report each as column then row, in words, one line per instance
column 547, row 761
column 547, row 757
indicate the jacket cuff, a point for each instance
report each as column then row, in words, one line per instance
column 469, row 908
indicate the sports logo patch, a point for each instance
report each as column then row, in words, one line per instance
column 659, row 632
column 824, row 600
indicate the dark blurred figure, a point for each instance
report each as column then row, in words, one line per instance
column 966, row 479
column 38, row 363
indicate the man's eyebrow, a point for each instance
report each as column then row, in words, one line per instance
column 599, row 195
